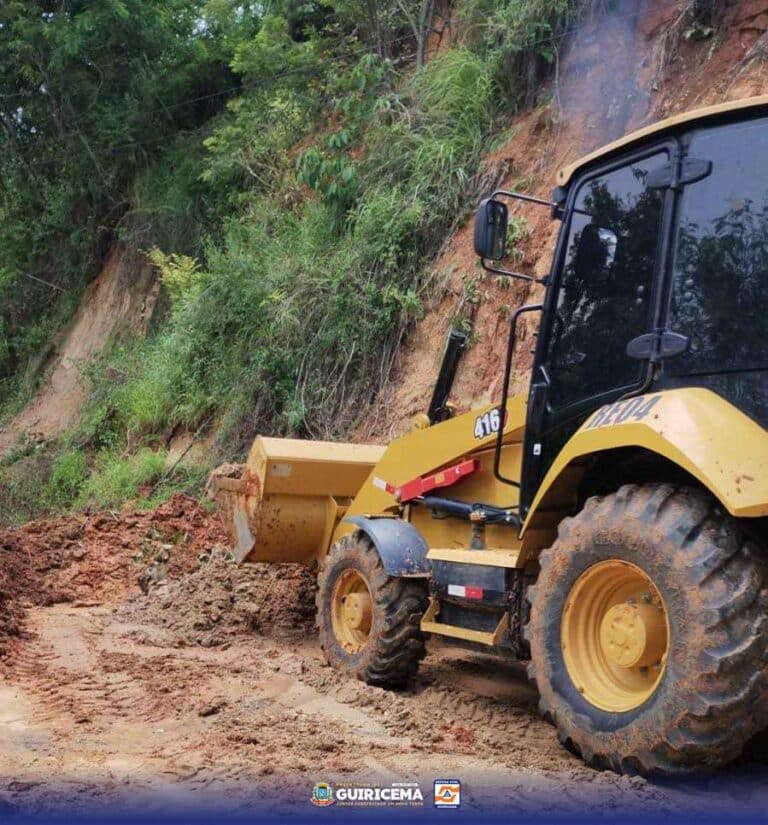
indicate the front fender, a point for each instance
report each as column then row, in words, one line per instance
column 402, row 549
column 696, row 429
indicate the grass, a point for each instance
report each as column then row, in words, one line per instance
column 68, row 474
column 118, row 478
column 54, row 479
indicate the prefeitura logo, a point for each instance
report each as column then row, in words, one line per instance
column 322, row 795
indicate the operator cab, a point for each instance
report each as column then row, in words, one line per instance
column 659, row 279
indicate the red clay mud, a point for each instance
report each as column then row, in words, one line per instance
column 95, row 558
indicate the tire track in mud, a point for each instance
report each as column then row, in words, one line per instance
column 180, row 692
column 210, row 718
column 506, row 749
column 278, row 715
column 270, row 697
column 59, row 664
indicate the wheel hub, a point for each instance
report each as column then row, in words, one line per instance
column 632, row 635
column 615, row 636
column 356, row 609
column 351, row 610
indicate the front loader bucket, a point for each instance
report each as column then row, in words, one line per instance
column 285, row 502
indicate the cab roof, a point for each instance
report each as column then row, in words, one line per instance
column 565, row 175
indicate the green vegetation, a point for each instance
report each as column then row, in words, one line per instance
column 68, row 475
column 290, row 168
column 117, row 478
column 519, row 40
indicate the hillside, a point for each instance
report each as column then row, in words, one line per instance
column 286, row 255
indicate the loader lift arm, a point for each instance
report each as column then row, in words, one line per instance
column 455, row 347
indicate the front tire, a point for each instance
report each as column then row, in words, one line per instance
column 369, row 622
column 647, row 632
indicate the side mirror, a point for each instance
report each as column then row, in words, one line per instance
column 491, row 221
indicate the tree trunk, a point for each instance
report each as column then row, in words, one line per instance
column 425, row 28
column 421, row 26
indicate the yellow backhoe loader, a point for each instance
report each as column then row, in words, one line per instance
column 610, row 528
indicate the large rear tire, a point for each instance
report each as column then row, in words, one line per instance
column 369, row 622
column 648, row 632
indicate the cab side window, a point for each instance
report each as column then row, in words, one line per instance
column 603, row 298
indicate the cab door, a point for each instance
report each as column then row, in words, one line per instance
column 605, row 289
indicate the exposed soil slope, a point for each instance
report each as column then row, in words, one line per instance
column 123, row 296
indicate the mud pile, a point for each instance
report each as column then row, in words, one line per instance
column 219, row 601
column 13, row 569
column 97, row 558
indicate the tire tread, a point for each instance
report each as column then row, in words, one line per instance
column 732, row 581
column 396, row 651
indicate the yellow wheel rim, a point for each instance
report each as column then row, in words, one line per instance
column 615, row 636
column 351, row 611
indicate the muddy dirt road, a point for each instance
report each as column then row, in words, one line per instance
column 148, row 670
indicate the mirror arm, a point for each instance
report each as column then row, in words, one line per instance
column 498, row 271
column 527, row 198
column 541, row 201
column 506, row 272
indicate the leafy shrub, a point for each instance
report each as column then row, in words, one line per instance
column 518, row 40
column 180, row 274
column 386, row 224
